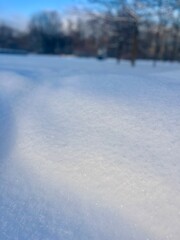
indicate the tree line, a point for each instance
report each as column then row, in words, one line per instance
column 128, row 29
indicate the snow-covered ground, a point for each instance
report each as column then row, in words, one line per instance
column 89, row 150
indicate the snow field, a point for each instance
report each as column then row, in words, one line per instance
column 89, row 150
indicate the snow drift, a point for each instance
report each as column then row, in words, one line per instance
column 88, row 149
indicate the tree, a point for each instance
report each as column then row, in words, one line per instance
column 45, row 31
column 175, row 54
column 123, row 25
column 7, row 37
column 159, row 13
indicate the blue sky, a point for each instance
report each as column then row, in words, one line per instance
column 17, row 12
column 27, row 7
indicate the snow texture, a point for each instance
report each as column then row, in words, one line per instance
column 89, row 149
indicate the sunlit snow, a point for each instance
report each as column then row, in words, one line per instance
column 89, row 149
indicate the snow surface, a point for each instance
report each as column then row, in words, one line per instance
column 88, row 149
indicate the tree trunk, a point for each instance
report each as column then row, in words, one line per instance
column 134, row 45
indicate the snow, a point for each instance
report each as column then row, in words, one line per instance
column 89, row 149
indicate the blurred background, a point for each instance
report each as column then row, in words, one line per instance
column 120, row 29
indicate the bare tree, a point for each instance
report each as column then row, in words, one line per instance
column 175, row 55
column 159, row 14
column 122, row 23
column 45, row 29
column 7, row 37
